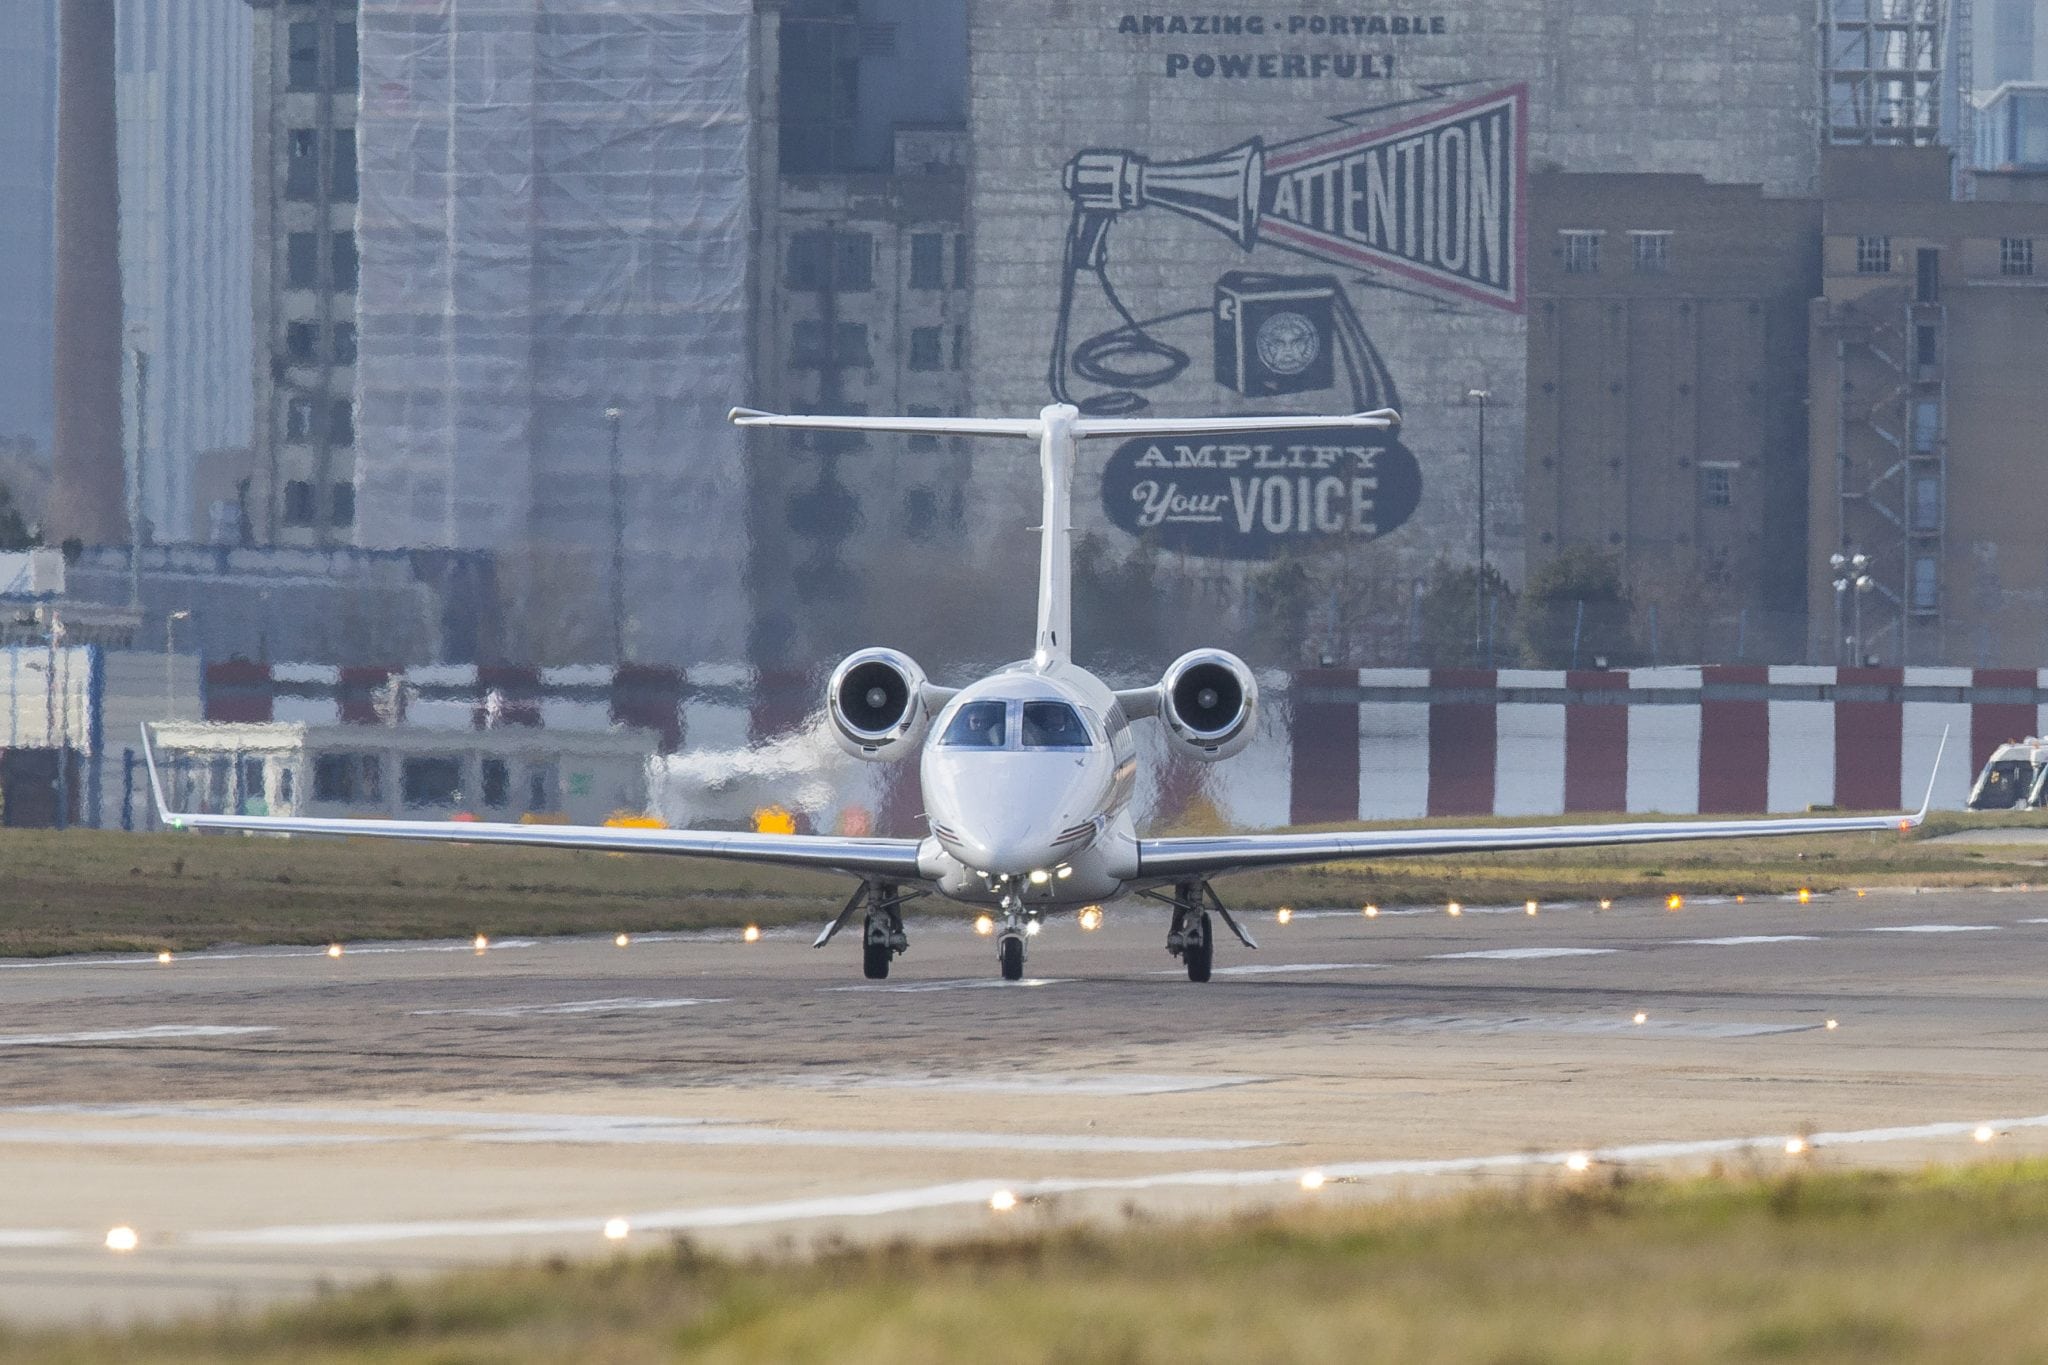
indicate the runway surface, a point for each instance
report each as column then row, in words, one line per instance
column 266, row 1119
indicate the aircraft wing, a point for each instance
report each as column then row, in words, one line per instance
column 892, row 858
column 1211, row 855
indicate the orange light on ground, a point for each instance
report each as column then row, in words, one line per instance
column 164, row 957
column 1285, row 915
column 1578, row 1163
column 622, row 941
column 774, row 820
column 752, row 933
column 1454, row 909
column 1796, row 1146
column 1674, row 901
column 1805, row 896
column 122, row 1239
column 1642, row 1017
column 1372, row 912
column 984, row 925
column 334, row 950
column 482, row 942
column 1606, row 904
column 1529, row 907
column 1091, row 918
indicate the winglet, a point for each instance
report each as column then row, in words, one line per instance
column 156, row 786
column 1927, row 801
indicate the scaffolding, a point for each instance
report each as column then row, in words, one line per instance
column 1891, row 462
column 1882, row 64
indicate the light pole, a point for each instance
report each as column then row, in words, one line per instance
column 170, row 629
column 138, row 334
column 611, row 419
column 1482, row 636
column 1852, row 580
column 56, row 637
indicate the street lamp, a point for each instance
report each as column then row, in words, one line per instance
column 56, row 638
column 1482, row 634
column 170, row 630
column 611, row 419
column 1852, row 576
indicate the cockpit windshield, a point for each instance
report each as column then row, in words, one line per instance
column 979, row 725
column 1053, row 725
column 2003, row 786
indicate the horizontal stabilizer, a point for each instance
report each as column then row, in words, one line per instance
column 1224, row 426
column 916, row 426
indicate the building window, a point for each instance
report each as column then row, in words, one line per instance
column 344, row 343
column 1926, row 425
column 302, row 61
column 927, row 260
column 1717, row 485
column 920, row 512
column 284, row 787
column 344, row 188
column 807, row 345
column 1581, row 253
column 1926, row 503
column 1873, row 255
column 959, row 347
column 430, row 781
column 1653, row 252
column 842, row 261
column 924, row 348
column 342, row 507
column 341, row 422
column 540, row 787
column 819, row 89
column 298, row 418
column 302, row 165
column 298, row 503
column 348, row 778
column 343, row 249
column 301, row 342
column 923, row 441
column 959, row 260
column 302, row 261
column 1926, row 584
column 1926, row 347
column 497, row 776
column 345, row 56
column 2016, row 256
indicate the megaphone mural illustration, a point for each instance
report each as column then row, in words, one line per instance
column 1431, row 203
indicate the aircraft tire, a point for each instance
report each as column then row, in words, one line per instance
column 874, row 959
column 1010, row 954
column 1200, row 952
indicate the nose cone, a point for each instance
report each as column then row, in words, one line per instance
column 1006, row 814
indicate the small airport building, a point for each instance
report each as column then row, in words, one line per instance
column 507, row 773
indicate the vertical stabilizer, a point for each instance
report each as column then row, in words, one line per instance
column 1057, row 449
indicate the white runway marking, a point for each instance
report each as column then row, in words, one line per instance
column 634, row 1130
column 1520, row 954
column 618, row 1005
column 1279, row 968
column 976, row 983
column 130, row 1035
column 1930, row 929
column 1743, row 940
column 1585, row 1024
column 1046, row 1082
column 174, row 1137
column 972, row 1192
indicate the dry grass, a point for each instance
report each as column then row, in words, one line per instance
column 1937, row 1266
column 85, row 890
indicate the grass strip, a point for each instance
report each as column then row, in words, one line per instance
column 1938, row 1265
column 101, row 891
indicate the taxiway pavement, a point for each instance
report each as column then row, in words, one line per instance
column 268, row 1119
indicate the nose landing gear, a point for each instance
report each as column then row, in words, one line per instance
column 1191, row 938
column 1010, row 942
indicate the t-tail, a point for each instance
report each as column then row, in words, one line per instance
column 1059, row 430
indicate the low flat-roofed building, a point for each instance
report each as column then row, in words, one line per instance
column 512, row 773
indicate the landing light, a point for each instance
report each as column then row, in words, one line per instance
column 1284, row 915
column 1032, row 928
column 617, row 1229
column 1312, row 1181
column 752, row 933
column 984, row 925
column 1578, row 1163
column 1039, row 876
column 1002, row 1201
column 122, row 1238
column 1091, row 918
column 1063, row 872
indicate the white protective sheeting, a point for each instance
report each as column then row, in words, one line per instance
column 554, row 220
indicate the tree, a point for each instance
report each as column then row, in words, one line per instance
column 1576, row 610
column 1451, row 636
column 14, row 532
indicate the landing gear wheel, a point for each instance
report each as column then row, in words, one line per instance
column 874, row 960
column 1010, row 953
column 1198, row 950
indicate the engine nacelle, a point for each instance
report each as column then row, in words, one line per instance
column 1209, row 701
column 877, row 703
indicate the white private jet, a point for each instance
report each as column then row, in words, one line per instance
column 1028, row 773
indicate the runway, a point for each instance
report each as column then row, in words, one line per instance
column 269, row 1119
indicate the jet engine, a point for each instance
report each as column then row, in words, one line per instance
column 1209, row 700
column 878, row 704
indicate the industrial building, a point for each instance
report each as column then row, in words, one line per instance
column 28, row 141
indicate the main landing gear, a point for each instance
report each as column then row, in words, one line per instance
column 1191, row 938
column 882, row 935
